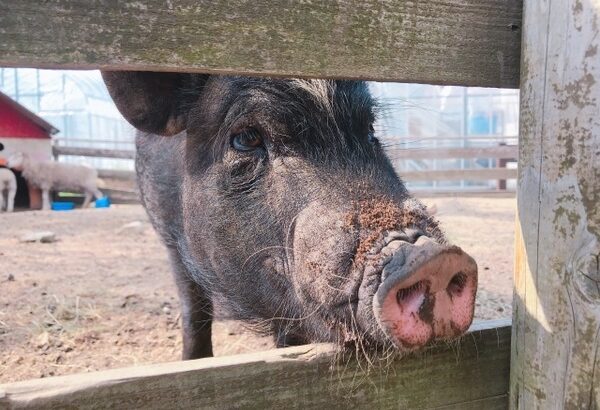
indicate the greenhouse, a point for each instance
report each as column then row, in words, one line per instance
column 75, row 102
column 412, row 117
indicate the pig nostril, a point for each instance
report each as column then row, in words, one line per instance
column 457, row 284
column 406, row 293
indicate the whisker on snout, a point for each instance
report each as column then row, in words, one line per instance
column 263, row 250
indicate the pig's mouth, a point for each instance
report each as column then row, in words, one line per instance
column 383, row 276
column 415, row 292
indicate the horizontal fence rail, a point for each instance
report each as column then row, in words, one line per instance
column 477, row 43
column 93, row 152
column 508, row 152
column 63, row 150
column 458, row 174
column 472, row 374
column 83, row 141
column 501, row 152
column 116, row 174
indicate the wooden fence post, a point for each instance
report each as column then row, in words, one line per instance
column 556, row 328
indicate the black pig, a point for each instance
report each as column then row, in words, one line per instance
column 275, row 199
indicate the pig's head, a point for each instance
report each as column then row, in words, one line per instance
column 293, row 214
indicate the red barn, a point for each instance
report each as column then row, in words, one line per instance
column 21, row 130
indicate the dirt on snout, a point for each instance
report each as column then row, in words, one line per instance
column 101, row 295
column 375, row 216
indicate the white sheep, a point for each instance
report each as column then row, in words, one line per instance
column 50, row 175
column 8, row 183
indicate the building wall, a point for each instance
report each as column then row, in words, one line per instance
column 13, row 123
column 37, row 149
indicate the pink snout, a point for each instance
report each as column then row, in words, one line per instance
column 428, row 292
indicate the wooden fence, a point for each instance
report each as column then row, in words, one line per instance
column 125, row 191
column 556, row 329
column 92, row 152
column 88, row 150
column 472, row 374
column 499, row 173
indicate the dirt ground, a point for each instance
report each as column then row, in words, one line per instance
column 101, row 296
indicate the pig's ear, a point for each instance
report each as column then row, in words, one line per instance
column 157, row 103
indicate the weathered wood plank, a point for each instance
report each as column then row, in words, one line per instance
column 510, row 152
column 462, row 42
column 504, row 152
column 458, row 174
column 87, row 141
column 471, row 374
column 119, row 196
column 116, row 174
column 463, row 193
column 93, row 152
column 556, row 351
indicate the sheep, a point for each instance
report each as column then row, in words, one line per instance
column 49, row 175
column 8, row 183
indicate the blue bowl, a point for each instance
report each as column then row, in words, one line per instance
column 63, row 206
column 103, row 202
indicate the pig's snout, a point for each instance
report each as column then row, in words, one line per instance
column 427, row 292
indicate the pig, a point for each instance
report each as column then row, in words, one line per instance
column 276, row 201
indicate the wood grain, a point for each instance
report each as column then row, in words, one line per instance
column 469, row 375
column 93, row 152
column 506, row 152
column 116, row 174
column 458, row 174
column 461, row 42
column 556, row 339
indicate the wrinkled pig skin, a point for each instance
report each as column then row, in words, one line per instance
column 276, row 202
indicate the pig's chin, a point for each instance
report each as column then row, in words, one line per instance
column 349, row 318
column 372, row 276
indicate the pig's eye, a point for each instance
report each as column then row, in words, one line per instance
column 247, row 140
